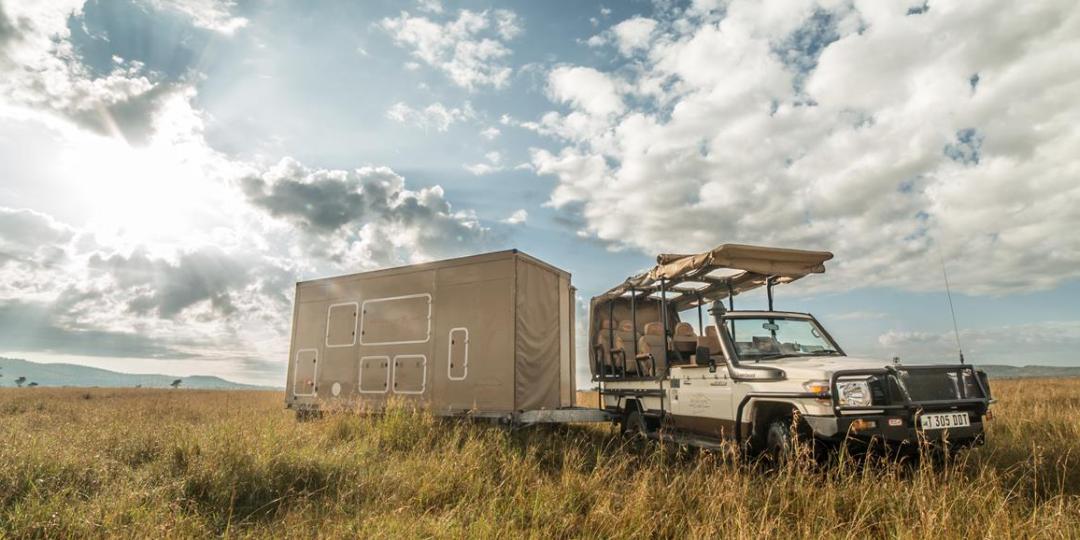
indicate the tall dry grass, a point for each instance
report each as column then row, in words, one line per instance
column 139, row 463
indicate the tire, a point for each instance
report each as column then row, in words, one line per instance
column 307, row 415
column 634, row 426
column 779, row 443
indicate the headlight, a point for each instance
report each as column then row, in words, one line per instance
column 854, row 393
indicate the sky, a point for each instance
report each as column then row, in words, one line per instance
column 170, row 168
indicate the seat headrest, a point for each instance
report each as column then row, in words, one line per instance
column 711, row 332
column 654, row 329
column 626, row 326
column 684, row 329
column 605, row 323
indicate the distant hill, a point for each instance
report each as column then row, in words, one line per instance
column 1023, row 372
column 75, row 375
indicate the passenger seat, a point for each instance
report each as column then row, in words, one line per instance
column 651, row 347
column 625, row 334
column 685, row 340
column 603, row 346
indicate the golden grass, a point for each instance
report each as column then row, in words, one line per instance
column 158, row 463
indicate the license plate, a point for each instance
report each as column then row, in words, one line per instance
column 944, row 420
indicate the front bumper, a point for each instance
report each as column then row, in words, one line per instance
column 891, row 428
column 894, row 415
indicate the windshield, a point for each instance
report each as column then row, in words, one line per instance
column 763, row 338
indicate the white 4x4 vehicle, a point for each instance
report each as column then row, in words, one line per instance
column 761, row 378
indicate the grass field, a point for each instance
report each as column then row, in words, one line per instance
column 157, row 463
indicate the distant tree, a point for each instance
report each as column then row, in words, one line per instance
column 19, row 382
column 32, row 384
column 176, row 383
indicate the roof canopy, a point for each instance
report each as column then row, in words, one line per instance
column 728, row 269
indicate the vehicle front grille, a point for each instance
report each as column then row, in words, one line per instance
column 937, row 385
column 878, row 393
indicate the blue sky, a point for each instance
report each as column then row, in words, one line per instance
column 169, row 168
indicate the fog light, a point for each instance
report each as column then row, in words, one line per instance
column 896, row 422
column 862, row 424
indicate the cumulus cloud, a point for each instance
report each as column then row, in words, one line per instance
column 213, row 15
column 33, row 326
column 31, row 237
column 430, row 6
column 518, row 217
column 1033, row 343
column 470, row 49
column 41, row 71
column 490, row 133
column 167, row 288
column 365, row 215
column 885, row 137
column 492, row 163
column 64, row 292
column 436, row 116
column 633, row 34
column 586, row 89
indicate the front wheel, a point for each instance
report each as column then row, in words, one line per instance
column 779, row 442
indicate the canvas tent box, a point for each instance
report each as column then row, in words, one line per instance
column 487, row 334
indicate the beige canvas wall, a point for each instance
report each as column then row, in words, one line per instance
column 442, row 335
column 537, row 354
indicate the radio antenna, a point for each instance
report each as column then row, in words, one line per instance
column 952, row 310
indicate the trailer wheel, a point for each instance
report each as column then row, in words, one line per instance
column 307, row 415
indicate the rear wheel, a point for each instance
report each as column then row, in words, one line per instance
column 634, row 426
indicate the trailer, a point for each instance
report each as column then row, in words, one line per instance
column 489, row 336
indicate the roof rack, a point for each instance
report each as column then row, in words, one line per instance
column 722, row 272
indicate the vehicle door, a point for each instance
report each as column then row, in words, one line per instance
column 701, row 401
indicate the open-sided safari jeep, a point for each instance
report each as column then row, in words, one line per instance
column 761, row 378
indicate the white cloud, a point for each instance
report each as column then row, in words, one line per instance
column 470, row 49
column 518, row 217
column 585, row 88
column 429, row 6
column 213, row 15
column 435, row 116
column 818, row 125
column 507, row 24
column 40, row 72
column 1032, row 343
column 490, row 133
column 633, row 34
column 182, row 254
column 492, row 164
column 364, row 217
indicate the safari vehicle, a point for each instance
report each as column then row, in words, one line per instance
column 761, row 378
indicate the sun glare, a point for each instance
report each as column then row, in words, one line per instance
column 139, row 195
